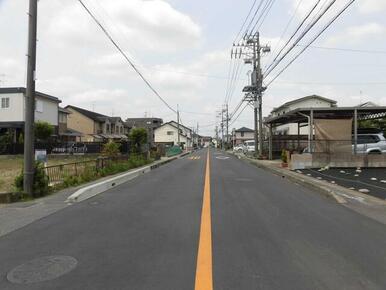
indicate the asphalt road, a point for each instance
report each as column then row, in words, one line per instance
column 253, row 230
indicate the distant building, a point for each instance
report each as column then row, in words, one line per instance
column 94, row 126
column 12, row 110
column 167, row 134
column 313, row 101
column 241, row 135
column 150, row 124
column 205, row 141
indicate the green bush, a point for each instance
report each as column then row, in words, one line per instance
column 41, row 181
column 111, row 149
column 43, row 130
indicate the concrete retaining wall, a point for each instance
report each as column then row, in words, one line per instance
column 318, row 160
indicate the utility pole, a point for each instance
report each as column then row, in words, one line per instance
column 227, row 124
column 198, row 137
column 30, row 100
column 216, row 136
column 222, row 129
column 178, row 126
column 256, row 89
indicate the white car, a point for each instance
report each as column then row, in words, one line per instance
column 371, row 143
column 249, row 146
column 238, row 148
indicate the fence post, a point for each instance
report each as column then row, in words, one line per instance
column 76, row 169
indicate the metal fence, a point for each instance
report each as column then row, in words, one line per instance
column 57, row 173
column 326, row 146
column 62, row 148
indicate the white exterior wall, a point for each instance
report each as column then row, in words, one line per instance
column 161, row 136
column 238, row 139
column 16, row 111
column 292, row 129
column 50, row 111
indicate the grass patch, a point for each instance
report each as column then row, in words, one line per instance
column 91, row 173
column 11, row 166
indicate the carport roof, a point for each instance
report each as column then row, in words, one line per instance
column 297, row 116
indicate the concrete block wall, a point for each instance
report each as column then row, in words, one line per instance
column 318, row 160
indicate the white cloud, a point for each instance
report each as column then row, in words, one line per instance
column 371, row 6
column 149, row 25
column 356, row 34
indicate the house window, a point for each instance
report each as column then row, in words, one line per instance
column 242, row 134
column 170, row 133
column 39, row 106
column 4, row 103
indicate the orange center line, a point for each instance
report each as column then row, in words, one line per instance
column 204, row 279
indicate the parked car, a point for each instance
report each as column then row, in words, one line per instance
column 238, row 148
column 249, row 146
column 368, row 143
column 371, row 143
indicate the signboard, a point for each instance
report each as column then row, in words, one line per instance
column 41, row 155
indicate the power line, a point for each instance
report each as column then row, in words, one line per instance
column 314, row 39
column 294, row 33
column 245, row 21
column 266, row 14
column 254, row 16
column 125, row 56
column 234, row 120
column 347, row 49
column 307, row 29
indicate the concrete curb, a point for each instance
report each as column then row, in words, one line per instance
column 102, row 186
column 334, row 191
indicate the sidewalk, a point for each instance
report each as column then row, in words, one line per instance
column 367, row 205
column 17, row 215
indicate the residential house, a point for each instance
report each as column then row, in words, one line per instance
column 313, row 101
column 94, row 126
column 167, row 134
column 12, row 110
column 241, row 135
column 150, row 124
column 66, row 134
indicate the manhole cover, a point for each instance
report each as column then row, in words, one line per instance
column 42, row 269
column 222, row 157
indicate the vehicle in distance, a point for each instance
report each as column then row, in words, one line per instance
column 238, row 148
column 249, row 146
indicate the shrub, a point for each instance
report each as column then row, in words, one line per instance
column 43, row 130
column 41, row 181
column 111, row 149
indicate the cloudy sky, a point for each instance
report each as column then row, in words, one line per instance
column 183, row 48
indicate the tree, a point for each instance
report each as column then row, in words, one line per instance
column 138, row 137
column 375, row 123
column 43, row 130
